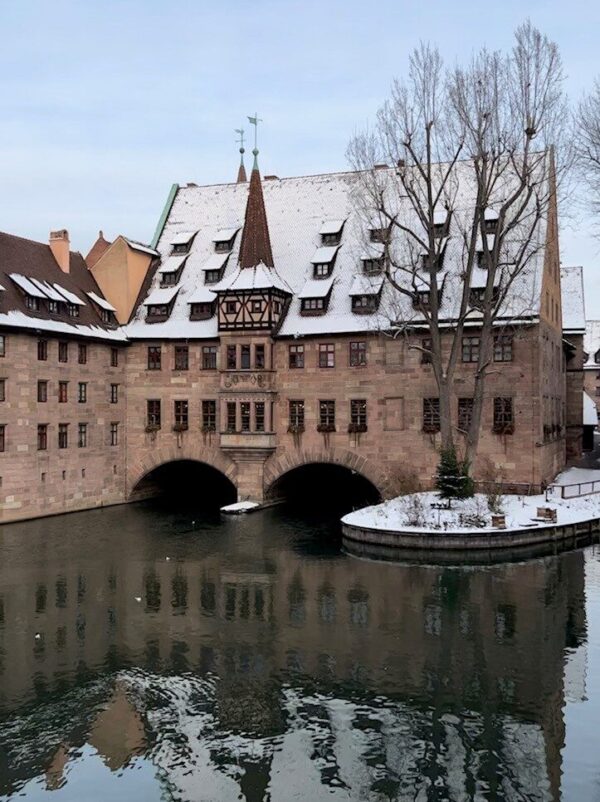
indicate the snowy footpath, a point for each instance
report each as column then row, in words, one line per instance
column 424, row 513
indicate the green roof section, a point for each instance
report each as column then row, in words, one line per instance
column 164, row 214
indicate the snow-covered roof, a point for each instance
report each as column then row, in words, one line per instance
column 69, row 296
column 316, row 288
column 28, row 286
column 440, row 216
column 297, row 209
column 324, row 255
column 590, row 413
column 201, row 295
column 48, row 290
column 373, row 250
column 331, row 227
column 591, row 343
column 139, row 246
column 160, row 296
column 572, row 298
column 182, row 237
column 172, row 263
column 215, row 261
column 101, row 302
column 225, row 234
column 366, row 285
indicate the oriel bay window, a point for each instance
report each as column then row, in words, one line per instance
column 358, row 415
column 504, row 422
column 296, row 413
column 154, row 357
column 181, row 357
column 209, row 415
column 181, row 416
column 245, row 416
column 259, row 416
column 358, row 353
column 326, row 355
column 209, row 357
column 465, row 413
column 296, row 356
column 326, row 416
column 42, row 436
column 431, row 415
column 153, row 413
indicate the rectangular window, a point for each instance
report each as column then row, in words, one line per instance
column 321, row 270
column 296, row 356
column 259, row 357
column 504, row 422
column 327, row 415
column 114, row 393
column 63, row 351
column 72, row 310
column 358, row 353
column 209, row 416
column 426, row 351
column 42, row 436
column 62, row 392
column 372, row 267
column 231, row 307
column 63, row 435
column 42, row 350
column 465, row 413
column 257, row 306
column 181, row 415
column 82, row 353
column 358, row 412
column 245, row 416
column 2, row 345
column 470, row 349
column 259, row 416
column 2, row 437
column 182, row 357
column 245, row 357
column 209, row 357
column 32, row 303
column 312, row 305
column 114, row 357
column 212, row 276
column 42, row 391
column 153, row 413
column 114, row 434
column 82, row 435
column 431, row 415
column 297, row 415
column 82, row 392
column 503, row 348
column 326, row 355
column 2, row 389
column 231, row 416
column 231, row 357
column 154, row 357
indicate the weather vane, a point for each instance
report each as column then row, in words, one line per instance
column 255, row 121
column 240, row 131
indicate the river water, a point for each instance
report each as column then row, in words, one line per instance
column 147, row 654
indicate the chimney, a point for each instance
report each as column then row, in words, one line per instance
column 59, row 245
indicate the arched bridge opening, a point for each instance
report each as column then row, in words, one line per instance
column 324, row 486
column 186, row 482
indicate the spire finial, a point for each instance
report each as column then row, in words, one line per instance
column 255, row 121
column 241, row 179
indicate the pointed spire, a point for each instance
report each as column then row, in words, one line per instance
column 256, row 243
column 241, row 176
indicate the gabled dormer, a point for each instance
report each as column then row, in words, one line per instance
column 331, row 232
column 224, row 239
column 182, row 242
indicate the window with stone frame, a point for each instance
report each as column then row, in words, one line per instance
column 82, row 435
column 431, row 415
column 2, row 389
column 63, row 351
column 63, row 435
column 465, row 413
column 245, row 357
column 42, row 436
column 358, row 412
column 114, row 357
column 326, row 355
column 231, row 416
column 296, row 356
column 470, row 349
column 358, row 353
column 504, row 421
column 82, row 392
column 2, row 437
column 62, row 392
column 42, row 350
column 2, row 345
column 503, row 348
column 426, row 346
column 245, row 416
column 81, row 353
column 296, row 414
column 231, row 357
column 114, row 434
column 42, row 391
column 114, row 393
column 259, row 416
column 181, row 415
column 153, row 416
column 327, row 415
column 259, row 356
column 209, row 415
column 154, row 357
column 209, row 357
column 182, row 357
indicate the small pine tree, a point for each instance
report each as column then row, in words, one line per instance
column 452, row 477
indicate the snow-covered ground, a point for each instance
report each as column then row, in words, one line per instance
column 423, row 512
column 240, row 506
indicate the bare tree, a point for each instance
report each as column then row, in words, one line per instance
column 588, row 143
column 462, row 217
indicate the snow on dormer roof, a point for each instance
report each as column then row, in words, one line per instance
column 324, row 255
column 316, row 288
column 366, row 285
column 182, row 238
column 172, row 263
column 331, row 227
column 225, row 234
column 161, row 295
column 101, row 302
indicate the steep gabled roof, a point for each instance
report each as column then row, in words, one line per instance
column 98, row 248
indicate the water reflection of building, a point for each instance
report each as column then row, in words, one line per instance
column 287, row 651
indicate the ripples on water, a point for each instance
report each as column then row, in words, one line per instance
column 152, row 655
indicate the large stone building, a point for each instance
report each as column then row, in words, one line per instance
column 257, row 337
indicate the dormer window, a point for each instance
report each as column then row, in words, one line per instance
column 437, row 258
column 490, row 221
column 104, row 309
column 212, row 276
column 180, row 249
column 596, row 358
column 106, row 316
column 373, row 267
column 53, row 307
column 441, row 220
column 331, row 232
column 477, row 296
column 331, row 239
column 158, row 310
column 224, row 239
column 202, row 311
column 378, row 234
column 72, row 310
column 182, row 242
column 363, row 304
column 159, row 304
column 422, row 299
column 170, row 272
column 32, row 303
column 313, row 305
column 321, row 270
column 168, row 279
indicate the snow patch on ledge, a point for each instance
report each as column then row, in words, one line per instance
column 240, row 506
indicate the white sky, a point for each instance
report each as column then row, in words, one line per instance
column 105, row 105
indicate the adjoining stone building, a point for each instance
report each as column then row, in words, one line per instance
column 259, row 340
